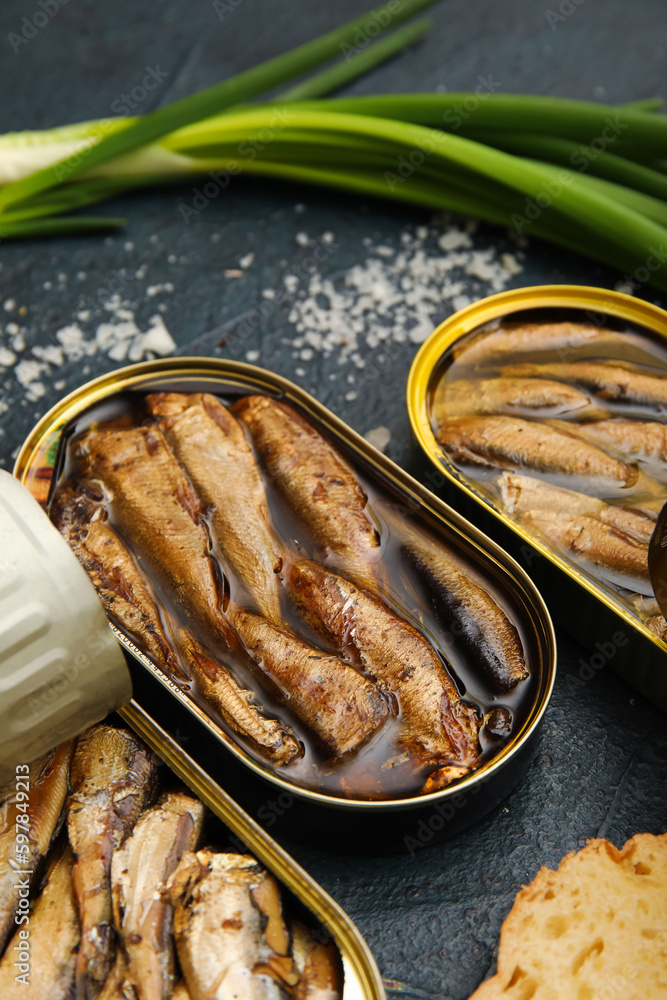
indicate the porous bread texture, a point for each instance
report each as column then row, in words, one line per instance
column 594, row 929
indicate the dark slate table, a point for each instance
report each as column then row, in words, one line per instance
column 601, row 766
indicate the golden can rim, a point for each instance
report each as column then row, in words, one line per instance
column 246, row 375
column 597, row 300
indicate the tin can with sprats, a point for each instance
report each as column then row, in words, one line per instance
column 370, row 786
column 544, row 411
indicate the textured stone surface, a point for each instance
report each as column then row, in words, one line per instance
column 601, row 767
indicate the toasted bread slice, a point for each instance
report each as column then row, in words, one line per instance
column 594, row 929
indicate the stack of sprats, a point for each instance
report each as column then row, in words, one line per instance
column 239, row 549
column 575, row 417
column 127, row 899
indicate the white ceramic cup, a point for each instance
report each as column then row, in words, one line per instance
column 61, row 668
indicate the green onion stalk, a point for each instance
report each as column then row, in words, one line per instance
column 586, row 177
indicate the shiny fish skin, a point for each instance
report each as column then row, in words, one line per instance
column 490, row 639
column 221, row 928
column 160, row 515
column 122, row 589
column 523, row 495
column 338, row 703
column 509, row 396
column 510, row 442
column 54, row 939
column 118, row 986
column 210, row 445
column 237, row 705
column 139, row 872
column 534, row 338
column 613, row 382
column 319, row 966
column 47, row 780
column 126, row 597
column 636, row 438
column 618, row 556
column 181, row 992
column 113, row 778
column 396, row 655
column 658, row 625
column 317, row 482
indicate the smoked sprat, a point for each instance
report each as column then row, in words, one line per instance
column 240, row 549
column 565, row 425
column 133, row 901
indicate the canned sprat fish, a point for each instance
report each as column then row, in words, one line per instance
column 548, row 408
column 297, row 593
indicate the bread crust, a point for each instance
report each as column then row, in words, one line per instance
column 594, row 929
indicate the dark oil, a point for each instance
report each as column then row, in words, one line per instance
column 617, row 342
column 380, row 768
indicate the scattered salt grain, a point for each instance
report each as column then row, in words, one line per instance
column 252, row 355
column 52, row 354
column 10, row 305
column 247, row 260
column 28, row 371
column 510, row 263
column 157, row 340
column 379, row 437
column 35, row 391
column 154, row 290
column 454, row 239
column 302, row 239
column 393, row 296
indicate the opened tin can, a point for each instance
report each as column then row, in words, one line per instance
column 595, row 362
column 362, row 980
column 292, row 799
